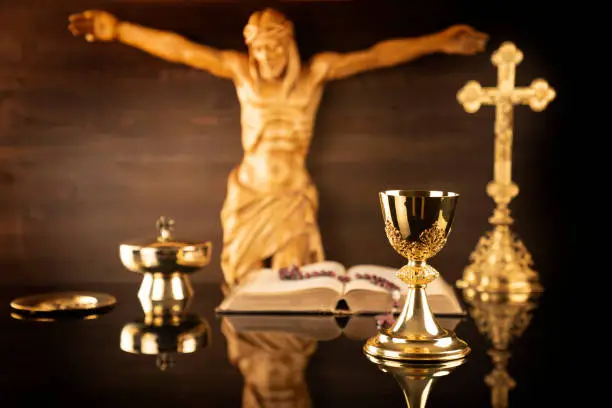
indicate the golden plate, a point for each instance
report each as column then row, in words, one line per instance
column 43, row 318
column 63, row 303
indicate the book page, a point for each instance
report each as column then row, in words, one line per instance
column 267, row 281
column 266, row 292
column 441, row 296
column 363, row 284
column 363, row 296
column 310, row 301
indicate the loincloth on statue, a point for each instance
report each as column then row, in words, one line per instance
column 258, row 225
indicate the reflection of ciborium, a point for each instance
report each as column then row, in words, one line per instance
column 165, row 337
column 417, row 224
column 501, row 318
column 417, row 378
column 164, row 333
column 166, row 264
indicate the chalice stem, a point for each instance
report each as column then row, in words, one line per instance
column 416, row 320
column 415, row 391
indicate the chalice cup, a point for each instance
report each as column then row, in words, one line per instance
column 417, row 224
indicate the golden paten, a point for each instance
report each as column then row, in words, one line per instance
column 500, row 261
column 57, row 305
column 417, row 224
column 270, row 211
column 35, row 318
column 416, row 379
column 166, row 264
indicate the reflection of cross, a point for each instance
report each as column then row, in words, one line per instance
column 537, row 96
column 499, row 379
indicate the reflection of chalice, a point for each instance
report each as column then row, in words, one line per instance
column 417, row 224
column 417, row 378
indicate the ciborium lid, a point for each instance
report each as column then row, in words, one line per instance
column 165, row 253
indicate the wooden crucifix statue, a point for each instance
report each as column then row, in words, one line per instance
column 271, row 203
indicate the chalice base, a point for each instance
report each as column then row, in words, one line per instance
column 500, row 263
column 416, row 335
column 446, row 346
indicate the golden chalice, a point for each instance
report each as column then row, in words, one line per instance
column 417, row 224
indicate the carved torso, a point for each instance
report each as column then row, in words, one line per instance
column 276, row 131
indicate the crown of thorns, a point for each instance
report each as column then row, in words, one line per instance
column 270, row 30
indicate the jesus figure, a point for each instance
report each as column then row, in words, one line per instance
column 270, row 210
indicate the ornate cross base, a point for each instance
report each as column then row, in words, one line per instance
column 500, row 263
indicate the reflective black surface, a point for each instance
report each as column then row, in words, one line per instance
column 79, row 363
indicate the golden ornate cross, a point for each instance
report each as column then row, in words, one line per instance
column 537, row 96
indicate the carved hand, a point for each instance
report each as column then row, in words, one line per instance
column 94, row 25
column 462, row 39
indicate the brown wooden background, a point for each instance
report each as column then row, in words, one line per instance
column 98, row 140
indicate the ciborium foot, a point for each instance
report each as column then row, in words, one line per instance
column 165, row 294
column 417, row 224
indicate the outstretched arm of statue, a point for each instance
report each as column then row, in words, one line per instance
column 96, row 25
column 457, row 39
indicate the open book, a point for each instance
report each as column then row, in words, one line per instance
column 321, row 328
column 346, row 292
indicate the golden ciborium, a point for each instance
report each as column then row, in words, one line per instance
column 165, row 263
column 417, row 224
